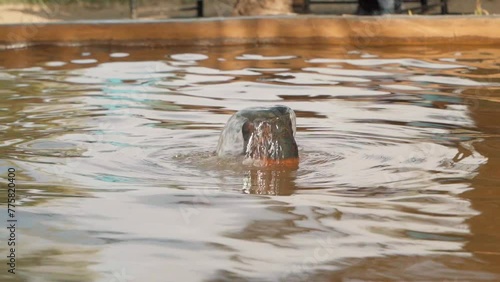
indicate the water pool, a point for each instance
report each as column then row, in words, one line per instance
column 117, row 181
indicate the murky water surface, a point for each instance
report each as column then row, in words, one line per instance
column 117, row 179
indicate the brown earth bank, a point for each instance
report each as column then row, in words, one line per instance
column 157, row 9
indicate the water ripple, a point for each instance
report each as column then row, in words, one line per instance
column 115, row 153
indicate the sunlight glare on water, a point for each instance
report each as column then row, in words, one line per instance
column 114, row 149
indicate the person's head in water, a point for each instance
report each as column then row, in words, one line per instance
column 263, row 133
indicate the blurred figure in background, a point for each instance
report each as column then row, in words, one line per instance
column 262, row 7
column 378, row 7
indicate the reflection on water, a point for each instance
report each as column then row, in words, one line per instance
column 118, row 180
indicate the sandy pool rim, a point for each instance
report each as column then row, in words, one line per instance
column 347, row 30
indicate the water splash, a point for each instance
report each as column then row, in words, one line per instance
column 260, row 133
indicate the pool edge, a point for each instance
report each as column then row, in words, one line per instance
column 353, row 30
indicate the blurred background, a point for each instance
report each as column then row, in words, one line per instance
column 23, row 11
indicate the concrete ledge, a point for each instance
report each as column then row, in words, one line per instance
column 392, row 30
